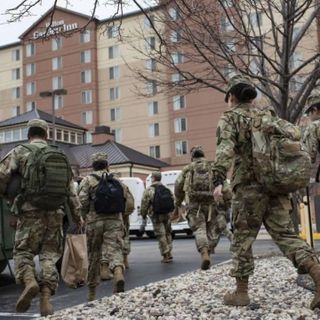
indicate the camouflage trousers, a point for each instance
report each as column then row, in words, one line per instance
column 39, row 233
column 126, row 242
column 206, row 227
column 250, row 208
column 107, row 232
column 162, row 230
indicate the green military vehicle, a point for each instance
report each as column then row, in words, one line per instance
column 6, row 235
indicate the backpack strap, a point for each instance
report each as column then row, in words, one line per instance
column 95, row 176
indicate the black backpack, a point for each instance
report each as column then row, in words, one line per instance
column 109, row 196
column 162, row 201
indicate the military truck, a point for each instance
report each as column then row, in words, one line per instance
column 6, row 235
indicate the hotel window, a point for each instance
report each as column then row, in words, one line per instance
column 85, row 36
column 66, row 136
column 176, row 77
column 88, row 137
column 15, row 55
column 16, row 93
column 226, row 25
column 177, row 57
column 296, row 60
column 30, row 49
column 86, row 76
column 58, row 134
column 30, row 105
column 231, row 46
column 117, row 134
column 228, row 71
column 257, row 43
column 113, row 32
column 114, row 52
column 228, row 3
column 151, row 64
column 58, row 102
column 150, row 43
column 16, row 111
column 175, row 36
column 154, row 151
column 85, row 56
column 56, row 63
column 79, row 138
column 181, row 147
column 180, row 125
column 151, row 87
column 87, row 117
column 115, row 114
column 153, row 108
column 30, row 69
column 178, row 102
column 56, row 44
column 114, row 93
column 114, row 73
column 73, row 137
column 57, row 83
column 30, row 88
column 255, row 19
column 154, row 130
column 86, row 96
column 147, row 23
column 16, row 74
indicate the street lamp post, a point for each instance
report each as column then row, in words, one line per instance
column 52, row 94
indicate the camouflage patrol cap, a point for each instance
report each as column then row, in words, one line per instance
column 157, row 175
column 313, row 99
column 38, row 123
column 233, row 81
column 99, row 156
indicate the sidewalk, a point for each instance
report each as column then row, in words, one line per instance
column 198, row 295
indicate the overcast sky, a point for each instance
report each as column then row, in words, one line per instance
column 10, row 32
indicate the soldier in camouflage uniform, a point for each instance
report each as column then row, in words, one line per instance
column 251, row 204
column 105, row 272
column 38, row 232
column 161, row 222
column 102, row 228
column 311, row 136
column 204, row 218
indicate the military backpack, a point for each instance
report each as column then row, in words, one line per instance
column 46, row 177
column 200, row 181
column 281, row 162
column 109, row 195
column 163, row 200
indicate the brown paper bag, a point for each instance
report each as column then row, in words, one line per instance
column 74, row 269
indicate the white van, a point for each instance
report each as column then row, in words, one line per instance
column 136, row 187
column 168, row 179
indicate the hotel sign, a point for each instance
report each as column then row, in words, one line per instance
column 55, row 27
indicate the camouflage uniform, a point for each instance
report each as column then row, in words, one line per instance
column 161, row 222
column 206, row 220
column 251, row 205
column 105, row 229
column 39, row 232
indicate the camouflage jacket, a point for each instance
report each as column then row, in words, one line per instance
column 14, row 162
column 234, row 145
column 147, row 200
column 87, row 192
column 311, row 139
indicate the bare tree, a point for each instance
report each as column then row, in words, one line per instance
column 200, row 44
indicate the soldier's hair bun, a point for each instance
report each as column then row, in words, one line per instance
column 244, row 92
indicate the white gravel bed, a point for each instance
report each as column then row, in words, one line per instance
column 199, row 295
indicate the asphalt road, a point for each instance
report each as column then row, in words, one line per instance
column 145, row 267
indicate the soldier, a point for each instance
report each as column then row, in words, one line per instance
column 102, row 198
column 194, row 185
column 311, row 136
column 39, row 230
column 105, row 272
column 252, row 205
column 160, row 218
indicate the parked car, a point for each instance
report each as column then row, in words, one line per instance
column 179, row 226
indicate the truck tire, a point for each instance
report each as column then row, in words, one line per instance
column 3, row 265
column 150, row 234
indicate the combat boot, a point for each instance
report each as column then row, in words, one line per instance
column 46, row 307
column 92, row 294
column 118, row 280
column 166, row 258
column 105, row 272
column 313, row 268
column 205, row 264
column 125, row 261
column 240, row 296
column 170, row 257
column 31, row 289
